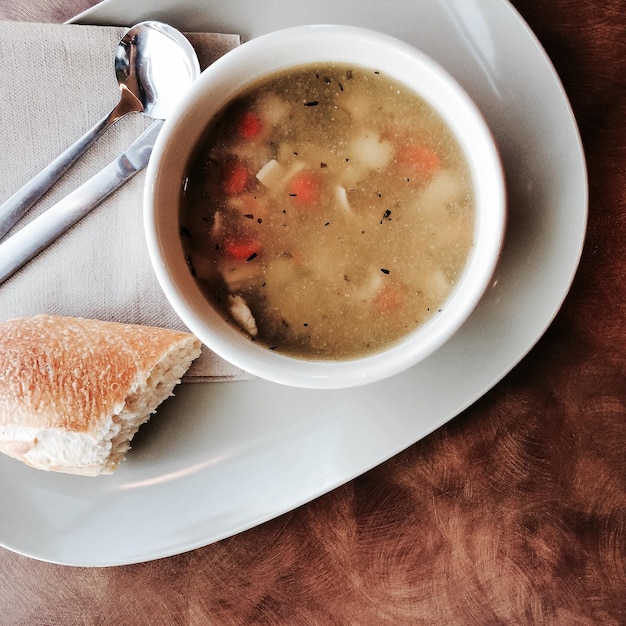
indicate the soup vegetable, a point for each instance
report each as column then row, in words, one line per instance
column 328, row 212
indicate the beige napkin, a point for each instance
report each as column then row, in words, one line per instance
column 57, row 82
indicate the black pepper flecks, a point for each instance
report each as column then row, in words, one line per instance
column 185, row 232
column 253, row 256
column 384, row 271
column 312, row 103
column 386, row 216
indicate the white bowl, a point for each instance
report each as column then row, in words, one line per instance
column 226, row 78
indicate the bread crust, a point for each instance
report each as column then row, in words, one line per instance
column 70, row 375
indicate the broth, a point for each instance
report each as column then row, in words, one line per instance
column 327, row 212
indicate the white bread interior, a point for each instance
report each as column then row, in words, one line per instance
column 73, row 392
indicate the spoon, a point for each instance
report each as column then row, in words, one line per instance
column 154, row 64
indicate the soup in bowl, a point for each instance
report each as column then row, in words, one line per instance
column 325, row 208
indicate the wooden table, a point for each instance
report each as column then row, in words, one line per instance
column 513, row 513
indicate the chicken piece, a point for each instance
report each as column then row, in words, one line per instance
column 271, row 175
column 341, row 196
column 436, row 284
column 444, row 189
column 272, row 109
column 369, row 149
column 242, row 315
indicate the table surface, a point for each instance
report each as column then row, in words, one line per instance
column 513, row 513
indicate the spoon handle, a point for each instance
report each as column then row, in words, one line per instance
column 12, row 210
column 21, row 247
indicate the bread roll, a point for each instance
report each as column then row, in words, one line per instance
column 73, row 392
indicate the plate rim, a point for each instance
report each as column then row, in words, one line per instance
column 150, row 554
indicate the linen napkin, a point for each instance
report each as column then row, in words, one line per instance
column 58, row 81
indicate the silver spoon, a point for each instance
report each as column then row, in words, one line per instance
column 154, row 64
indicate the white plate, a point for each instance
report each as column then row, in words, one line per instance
column 220, row 458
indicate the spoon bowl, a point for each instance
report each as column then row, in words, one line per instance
column 154, row 65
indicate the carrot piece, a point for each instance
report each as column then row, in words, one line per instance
column 249, row 125
column 389, row 299
column 235, row 178
column 305, row 187
column 241, row 249
column 420, row 158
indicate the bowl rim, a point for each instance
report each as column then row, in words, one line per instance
column 232, row 73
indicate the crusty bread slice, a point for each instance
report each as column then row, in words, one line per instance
column 73, row 392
